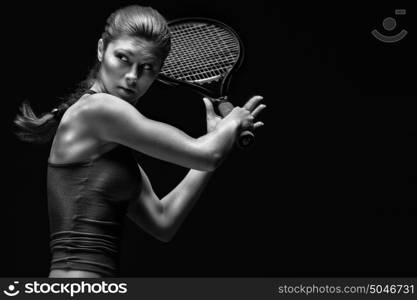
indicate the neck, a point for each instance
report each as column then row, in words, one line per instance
column 98, row 87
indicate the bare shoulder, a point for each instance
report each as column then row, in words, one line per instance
column 81, row 132
column 102, row 104
column 106, row 117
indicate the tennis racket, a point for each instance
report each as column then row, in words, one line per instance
column 204, row 55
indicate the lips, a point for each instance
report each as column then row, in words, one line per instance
column 128, row 91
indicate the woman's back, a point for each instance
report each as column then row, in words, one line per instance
column 90, row 185
column 87, row 202
column 75, row 140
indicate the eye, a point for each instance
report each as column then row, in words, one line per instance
column 147, row 67
column 123, row 58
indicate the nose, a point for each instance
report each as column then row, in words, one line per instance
column 132, row 76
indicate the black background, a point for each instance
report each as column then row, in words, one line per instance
column 329, row 188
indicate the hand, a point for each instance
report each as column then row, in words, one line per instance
column 212, row 118
column 245, row 116
column 254, row 108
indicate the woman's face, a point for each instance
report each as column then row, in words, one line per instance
column 129, row 66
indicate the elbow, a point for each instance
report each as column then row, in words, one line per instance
column 166, row 230
column 162, row 234
column 165, row 238
column 166, row 235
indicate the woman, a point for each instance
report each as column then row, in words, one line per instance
column 93, row 179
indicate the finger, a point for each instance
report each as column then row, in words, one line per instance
column 258, row 109
column 257, row 125
column 248, row 123
column 252, row 103
column 209, row 107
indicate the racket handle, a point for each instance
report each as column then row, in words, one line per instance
column 246, row 137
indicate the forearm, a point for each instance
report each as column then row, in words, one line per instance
column 219, row 142
column 179, row 202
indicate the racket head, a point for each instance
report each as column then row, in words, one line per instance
column 204, row 55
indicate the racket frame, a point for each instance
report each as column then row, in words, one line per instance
column 222, row 94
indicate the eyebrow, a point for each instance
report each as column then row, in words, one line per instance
column 145, row 57
column 126, row 51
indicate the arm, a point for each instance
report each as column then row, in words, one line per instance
column 162, row 218
column 115, row 120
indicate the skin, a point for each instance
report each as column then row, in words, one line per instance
column 92, row 126
column 128, row 68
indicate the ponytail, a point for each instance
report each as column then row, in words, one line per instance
column 35, row 129
column 41, row 129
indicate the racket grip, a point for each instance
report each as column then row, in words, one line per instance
column 246, row 138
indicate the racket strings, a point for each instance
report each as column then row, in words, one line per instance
column 209, row 62
column 200, row 52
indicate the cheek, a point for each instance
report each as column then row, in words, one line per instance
column 145, row 82
column 111, row 67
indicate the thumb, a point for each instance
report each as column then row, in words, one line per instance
column 209, row 106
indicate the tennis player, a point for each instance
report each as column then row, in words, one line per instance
column 93, row 179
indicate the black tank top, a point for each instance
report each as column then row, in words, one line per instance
column 87, row 202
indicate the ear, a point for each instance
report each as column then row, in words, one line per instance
column 100, row 50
